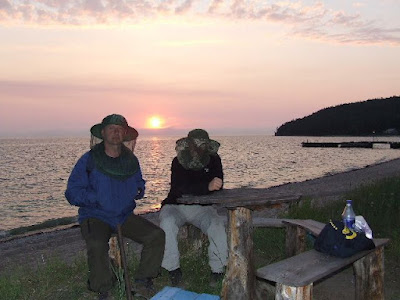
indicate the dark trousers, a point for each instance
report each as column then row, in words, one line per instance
column 97, row 234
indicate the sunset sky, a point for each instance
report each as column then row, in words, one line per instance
column 226, row 66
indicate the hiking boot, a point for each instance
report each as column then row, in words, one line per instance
column 175, row 276
column 104, row 296
column 216, row 278
column 144, row 287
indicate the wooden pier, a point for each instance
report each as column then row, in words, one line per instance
column 373, row 144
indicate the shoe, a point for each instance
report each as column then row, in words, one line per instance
column 103, row 296
column 175, row 276
column 216, row 278
column 144, row 287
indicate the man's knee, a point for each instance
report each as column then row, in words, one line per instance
column 168, row 223
column 156, row 236
column 159, row 235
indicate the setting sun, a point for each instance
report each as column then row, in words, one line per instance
column 155, row 122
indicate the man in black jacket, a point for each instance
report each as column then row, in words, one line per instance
column 196, row 170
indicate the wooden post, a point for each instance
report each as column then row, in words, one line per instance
column 195, row 235
column 114, row 252
column 369, row 275
column 285, row 292
column 239, row 281
column 295, row 240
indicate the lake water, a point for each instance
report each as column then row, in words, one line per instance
column 34, row 172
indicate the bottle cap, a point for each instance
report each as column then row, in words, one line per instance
column 348, row 201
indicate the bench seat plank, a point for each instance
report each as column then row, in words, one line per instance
column 267, row 222
column 308, row 267
column 312, row 226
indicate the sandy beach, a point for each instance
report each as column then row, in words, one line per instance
column 65, row 242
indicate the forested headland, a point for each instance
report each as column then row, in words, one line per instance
column 370, row 117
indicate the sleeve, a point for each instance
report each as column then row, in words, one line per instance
column 79, row 190
column 216, row 169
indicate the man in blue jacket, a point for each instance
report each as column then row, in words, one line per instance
column 104, row 184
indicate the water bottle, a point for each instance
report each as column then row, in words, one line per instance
column 348, row 215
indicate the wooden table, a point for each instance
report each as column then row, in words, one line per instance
column 239, row 281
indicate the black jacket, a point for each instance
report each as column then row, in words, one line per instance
column 189, row 182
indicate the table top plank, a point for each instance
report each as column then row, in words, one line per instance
column 240, row 197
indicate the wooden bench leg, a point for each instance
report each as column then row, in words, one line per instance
column 239, row 281
column 114, row 252
column 285, row 292
column 369, row 276
column 196, row 237
column 295, row 240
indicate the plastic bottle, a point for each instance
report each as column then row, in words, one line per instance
column 348, row 215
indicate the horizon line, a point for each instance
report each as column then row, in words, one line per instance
column 147, row 132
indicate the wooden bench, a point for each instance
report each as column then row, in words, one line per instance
column 296, row 231
column 295, row 276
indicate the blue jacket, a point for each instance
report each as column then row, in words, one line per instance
column 103, row 197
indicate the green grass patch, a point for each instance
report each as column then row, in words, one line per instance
column 53, row 280
column 269, row 245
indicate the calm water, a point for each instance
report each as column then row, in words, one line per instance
column 34, row 172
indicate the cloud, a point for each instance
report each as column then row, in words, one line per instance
column 339, row 27
column 185, row 7
column 314, row 20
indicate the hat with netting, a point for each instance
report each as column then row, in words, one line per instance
column 194, row 151
column 115, row 119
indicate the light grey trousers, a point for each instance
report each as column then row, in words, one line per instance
column 206, row 218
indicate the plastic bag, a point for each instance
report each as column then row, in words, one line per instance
column 361, row 225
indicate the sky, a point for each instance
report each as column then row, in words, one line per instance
column 234, row 67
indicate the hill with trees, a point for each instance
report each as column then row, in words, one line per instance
column 370, row 117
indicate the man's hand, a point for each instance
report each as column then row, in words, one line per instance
column 215, row 184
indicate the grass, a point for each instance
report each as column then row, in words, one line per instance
column 54, row 280
column 59, row 280
column 378, row 203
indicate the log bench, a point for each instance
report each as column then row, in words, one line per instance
column 296, row 231
column 294, row 277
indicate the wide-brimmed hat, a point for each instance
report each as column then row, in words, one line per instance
column 198, row 137
column 115, row 119
column 193, row 152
